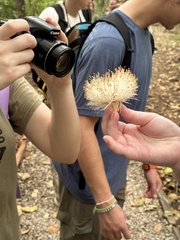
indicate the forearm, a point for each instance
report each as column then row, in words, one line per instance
column 64, row 129
column 92, row 166
column 57, row 132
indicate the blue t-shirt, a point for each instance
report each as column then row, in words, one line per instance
column 104, row 49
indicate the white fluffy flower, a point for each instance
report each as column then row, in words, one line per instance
column 110, row 89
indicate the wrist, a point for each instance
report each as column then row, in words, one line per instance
column 106, row 209
column 147, row 167
column 105, row 203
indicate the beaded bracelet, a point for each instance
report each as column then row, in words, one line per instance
column 100, row 203
column 106, row 209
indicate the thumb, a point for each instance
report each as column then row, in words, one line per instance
column 113, row 145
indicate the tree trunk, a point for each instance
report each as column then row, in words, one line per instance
column 20, row 7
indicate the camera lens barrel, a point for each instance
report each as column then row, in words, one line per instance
column 54, row 57
column 51, row 55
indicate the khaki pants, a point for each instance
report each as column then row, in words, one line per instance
column 77, row 219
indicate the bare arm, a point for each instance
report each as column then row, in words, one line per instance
column 59, row 129
column 112, row 223
column 56, row 133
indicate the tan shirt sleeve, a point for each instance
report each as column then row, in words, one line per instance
column 23, row 102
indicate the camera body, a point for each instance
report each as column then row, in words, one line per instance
column 51, row 55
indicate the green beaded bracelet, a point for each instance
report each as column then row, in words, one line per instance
column 106, row 209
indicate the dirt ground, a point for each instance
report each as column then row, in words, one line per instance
column 164, row 94
column 36, row 207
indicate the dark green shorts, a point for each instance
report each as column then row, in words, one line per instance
column 77, row 219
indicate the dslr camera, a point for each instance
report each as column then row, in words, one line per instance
column 51, row 55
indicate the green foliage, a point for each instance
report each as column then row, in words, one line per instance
column 34, row 7
column 15, row 9
column 101, row 7
column 20, row 8
column 7, row 9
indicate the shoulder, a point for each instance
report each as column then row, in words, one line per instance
column 55, row 11
column 105, row 33
column 49, row 12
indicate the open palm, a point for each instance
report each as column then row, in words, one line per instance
column 147, row 137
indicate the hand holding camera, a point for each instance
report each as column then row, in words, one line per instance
column 16, row 53
column 51, row 55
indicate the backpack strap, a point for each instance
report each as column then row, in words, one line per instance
column 63, row 24
column 116, row 20
column 152, row 43
column 4, row 100
column 87, row 14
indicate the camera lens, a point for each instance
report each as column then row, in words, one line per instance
column 54, row 57
column 60, row 60
column 63, row 61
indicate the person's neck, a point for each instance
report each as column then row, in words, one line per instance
column 71, row 7
column 143, row 16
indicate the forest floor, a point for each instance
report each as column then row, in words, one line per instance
column 147, row 219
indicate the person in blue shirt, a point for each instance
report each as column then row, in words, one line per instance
column 97, row 179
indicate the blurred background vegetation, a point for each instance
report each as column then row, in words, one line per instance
column 20, row 8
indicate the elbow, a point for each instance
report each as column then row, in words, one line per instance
column 69, row 156
column 68, row 159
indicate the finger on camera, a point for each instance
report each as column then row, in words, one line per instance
column 24, row 41
column 11, row 27
column 62, row 35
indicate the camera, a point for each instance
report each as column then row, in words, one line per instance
column 51, row 55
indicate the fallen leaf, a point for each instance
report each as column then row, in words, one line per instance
column 35, row 193
column 19, row 209
column 29, row 209
column 168, row 170
column 157, row 228
column 150, row 208
column 25, row 231
column 168, row 213
column 24, row 176
column 138, row 202
column 53, row 229
column 46, row 215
